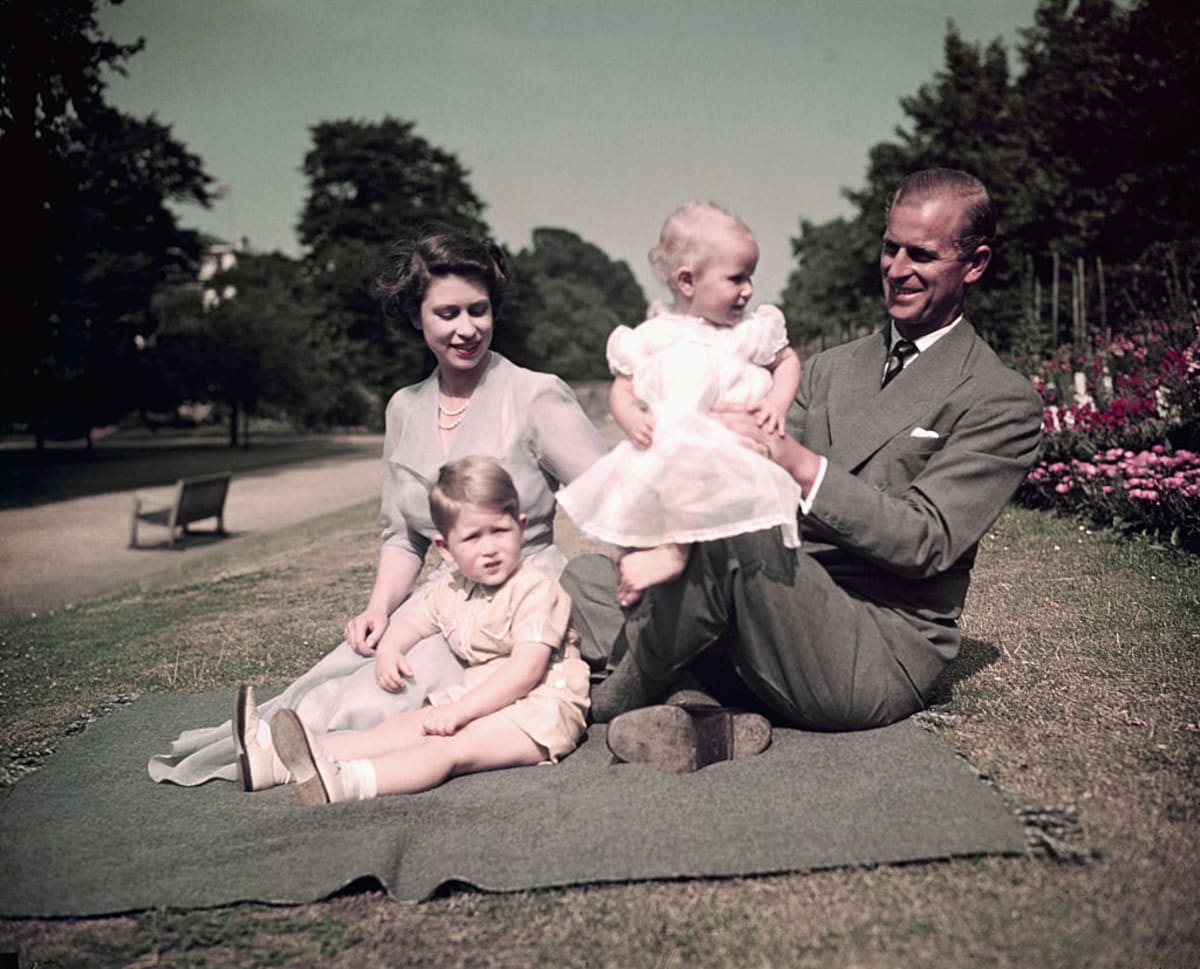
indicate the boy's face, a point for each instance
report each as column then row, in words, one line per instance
column 484, row 544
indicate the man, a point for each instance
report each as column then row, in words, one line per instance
column 907, row 444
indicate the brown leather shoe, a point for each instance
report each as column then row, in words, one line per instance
column 677, row 738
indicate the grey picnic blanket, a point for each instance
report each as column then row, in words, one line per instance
column 88, row 833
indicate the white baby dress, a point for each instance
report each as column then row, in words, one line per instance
column 696, row 481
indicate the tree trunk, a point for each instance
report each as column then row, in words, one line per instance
column 1054, row 297
column 234, row 412
column 1082, row 333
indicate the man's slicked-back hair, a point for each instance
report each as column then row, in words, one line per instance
column 978, row 225
column 476, row 481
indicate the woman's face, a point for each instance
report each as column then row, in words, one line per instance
column 456, row 321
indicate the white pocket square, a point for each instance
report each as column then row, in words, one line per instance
column 921, row 432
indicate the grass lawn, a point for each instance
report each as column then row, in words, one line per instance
column 1078, row 689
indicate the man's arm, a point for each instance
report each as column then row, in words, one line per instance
column 925, row 518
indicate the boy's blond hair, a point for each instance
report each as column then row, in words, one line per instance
column 474, row 481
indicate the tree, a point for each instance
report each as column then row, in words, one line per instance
column 251, row 340
column 96, row 238
column 1090, row 154
column 834, row 293
column 371, row 185
column 569, row 296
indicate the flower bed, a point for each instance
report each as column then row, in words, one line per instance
column 1121, row 431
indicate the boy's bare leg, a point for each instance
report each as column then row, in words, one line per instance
column 489, row 743
column 401, row 730
column 640, row 568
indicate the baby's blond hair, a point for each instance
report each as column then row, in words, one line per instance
column 683, row 238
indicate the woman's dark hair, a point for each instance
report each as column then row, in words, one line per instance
column 444, row 252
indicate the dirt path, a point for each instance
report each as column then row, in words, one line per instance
column 55, row 554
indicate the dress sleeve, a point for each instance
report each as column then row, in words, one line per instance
column 541, row 611
column 623, row 350
column 568, row 443
column 397, row 489
column 765, row 334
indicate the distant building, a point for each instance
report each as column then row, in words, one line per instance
column 220, row 257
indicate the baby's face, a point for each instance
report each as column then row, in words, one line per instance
column 722, row 285
column 485, row 544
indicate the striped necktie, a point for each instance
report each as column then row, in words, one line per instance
column 900, row 352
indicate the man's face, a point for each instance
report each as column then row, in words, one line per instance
column 924, row 278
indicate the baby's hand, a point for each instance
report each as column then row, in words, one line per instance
column 391, row 666
column 771, row 417
column 444, row 721
column 641, row 430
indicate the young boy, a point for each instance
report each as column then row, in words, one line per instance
column 524, row 696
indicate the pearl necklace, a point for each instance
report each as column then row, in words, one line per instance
column 447, row 412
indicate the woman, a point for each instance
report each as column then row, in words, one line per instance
column 449, row 287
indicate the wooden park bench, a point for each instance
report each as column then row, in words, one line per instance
column 195, row 499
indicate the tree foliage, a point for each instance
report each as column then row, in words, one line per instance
column 569, row 296
column 371, row 185
column 1089, row 151
column 249, row 339
column 96, row 237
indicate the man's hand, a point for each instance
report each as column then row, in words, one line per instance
column 797, row 460
column 744, row 421
column 771, row 417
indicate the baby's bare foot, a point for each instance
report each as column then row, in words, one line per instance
column 639, row 569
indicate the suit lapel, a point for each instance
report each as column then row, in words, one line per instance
column 863, row 417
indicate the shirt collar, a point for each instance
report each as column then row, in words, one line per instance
column 929, row 339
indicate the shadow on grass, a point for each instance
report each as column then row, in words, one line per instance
column 30, row 477
column 973, row 657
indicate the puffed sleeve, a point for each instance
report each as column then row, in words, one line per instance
column 541, row 610
column 623, row 350
column 567, row 441
column 763, row 334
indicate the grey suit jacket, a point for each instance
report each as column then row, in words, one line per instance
column 917, row 473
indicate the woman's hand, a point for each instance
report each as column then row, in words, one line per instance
column 364, row 630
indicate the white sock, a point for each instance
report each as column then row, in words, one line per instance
column 279, row 771
column 359, row 781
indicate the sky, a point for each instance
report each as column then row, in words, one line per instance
column 597, row 116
